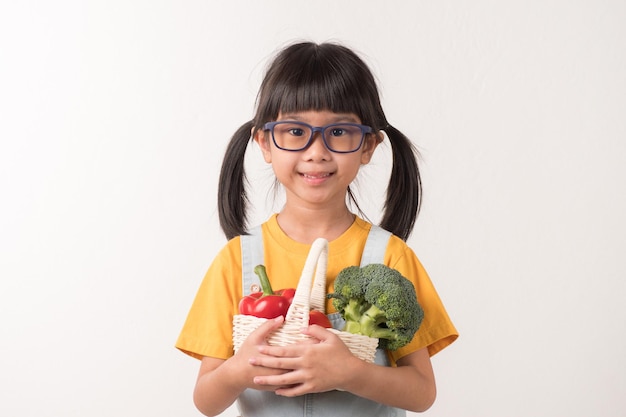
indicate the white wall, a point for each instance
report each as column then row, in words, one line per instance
column 113, row 119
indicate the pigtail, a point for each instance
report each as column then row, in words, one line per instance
column 232, row 198
column 404, row 192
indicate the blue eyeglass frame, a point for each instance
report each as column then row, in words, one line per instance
column 364, row 130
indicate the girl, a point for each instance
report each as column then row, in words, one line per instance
column 318, row 120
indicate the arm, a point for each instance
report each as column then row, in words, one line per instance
column 221, row 381
column 330, row 365
column 410, row 385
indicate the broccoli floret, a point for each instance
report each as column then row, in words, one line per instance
column 377, row 301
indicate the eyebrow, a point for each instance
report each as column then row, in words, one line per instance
column 337, row 119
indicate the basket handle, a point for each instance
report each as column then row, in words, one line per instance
column 307, row 296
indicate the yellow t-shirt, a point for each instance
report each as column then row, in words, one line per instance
column 208, row 328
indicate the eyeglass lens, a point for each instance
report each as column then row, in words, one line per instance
column 338, row 137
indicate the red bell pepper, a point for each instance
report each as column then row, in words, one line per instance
column 267, row 304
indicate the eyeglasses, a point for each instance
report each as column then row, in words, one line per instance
column 338, row 137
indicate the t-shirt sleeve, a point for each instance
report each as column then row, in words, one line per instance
column 437, row 330
column 208, row 328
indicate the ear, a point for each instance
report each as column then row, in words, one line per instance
column 261, row 138
column 369, row 146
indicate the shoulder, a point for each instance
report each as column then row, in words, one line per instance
column 228, row 258
column 399, row 247
column 399, row 255
column 232, row 248
column 395, row 249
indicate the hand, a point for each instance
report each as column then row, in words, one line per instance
column 308, row 367
column 249, row 351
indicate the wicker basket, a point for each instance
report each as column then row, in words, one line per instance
column 310, row 294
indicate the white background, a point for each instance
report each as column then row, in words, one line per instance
column 113, row 119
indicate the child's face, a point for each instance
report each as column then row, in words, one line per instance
column 316, row 176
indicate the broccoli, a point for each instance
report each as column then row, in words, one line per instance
column 377, row 301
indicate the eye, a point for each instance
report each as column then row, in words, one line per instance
column 296, row 131
column 337, row 131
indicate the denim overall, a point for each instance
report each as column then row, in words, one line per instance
column 267, row 404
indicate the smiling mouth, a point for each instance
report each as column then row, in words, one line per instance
column 316, row 176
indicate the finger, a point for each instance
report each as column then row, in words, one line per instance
column 286, row 364
column 292, row 390
column 318, row 332
column 289, row 351
column 284, row 380
column 263, row 331
column 294, row 350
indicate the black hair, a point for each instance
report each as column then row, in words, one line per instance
column 309, row 76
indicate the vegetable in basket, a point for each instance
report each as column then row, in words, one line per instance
column 319, row 318
column 377, row 301
column 269, row 304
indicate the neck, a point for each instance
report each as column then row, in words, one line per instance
column 305, row 225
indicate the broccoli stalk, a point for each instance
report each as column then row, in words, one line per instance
column 373, row 322
column 377, row 301
column 354, row 310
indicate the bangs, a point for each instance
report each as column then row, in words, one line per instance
column 317, row 89
column 318, row 77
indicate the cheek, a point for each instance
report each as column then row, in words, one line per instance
column 351, row 168
column 282, row 165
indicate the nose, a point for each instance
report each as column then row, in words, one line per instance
column 317, row 149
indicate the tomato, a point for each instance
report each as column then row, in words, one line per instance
column 319, row 318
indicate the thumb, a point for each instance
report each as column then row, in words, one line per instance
column 264, row 330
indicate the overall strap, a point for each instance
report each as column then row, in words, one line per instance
column 375, row 246
column 251, row 256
